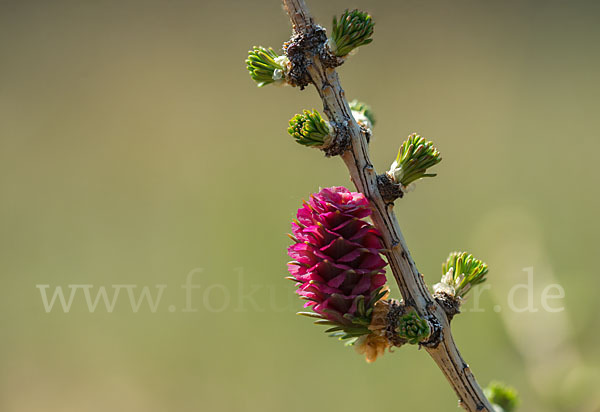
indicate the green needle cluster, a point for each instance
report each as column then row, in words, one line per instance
column 310, row 129
column 502, row 396
column 354, row 29
column 413, row 328
column 264, row 67
column 462, row 271
column 415, row 156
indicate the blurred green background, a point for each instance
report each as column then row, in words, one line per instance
column 135, row 149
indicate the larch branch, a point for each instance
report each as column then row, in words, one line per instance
column 409, row 280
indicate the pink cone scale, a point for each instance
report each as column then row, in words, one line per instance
column 338, row 264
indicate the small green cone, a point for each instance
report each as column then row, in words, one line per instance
column 413, row 328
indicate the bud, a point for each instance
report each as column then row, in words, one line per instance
column 362, row 114
column 504, row 398
column 355, row 29
column 266, row 66
column 310, row 129
column 413, row 328
column 460, row 273
column 415, row 156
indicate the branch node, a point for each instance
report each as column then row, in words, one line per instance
column 397, row 310
column 389, row 190
column 367, row 133
column 301, row 50
column 436, row 335
column 340, row 142
column 450, row 304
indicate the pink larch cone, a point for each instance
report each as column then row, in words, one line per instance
column 338, row 264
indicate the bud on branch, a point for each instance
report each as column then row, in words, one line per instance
column 309, row 129
column 415, row 156
column 362, row 113
column 413, row 328
column 460, row 273
column 505, row 398
column 266, row 66
column 355, row 29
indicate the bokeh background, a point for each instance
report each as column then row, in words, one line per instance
column 135, row 149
